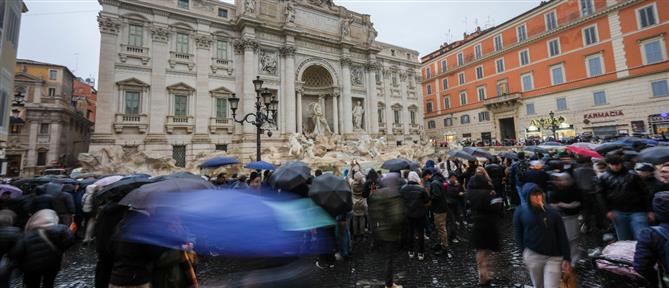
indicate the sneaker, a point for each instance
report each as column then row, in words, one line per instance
column 421, row 256
column 411, row 255
column 455, row 241
column 395, row 285
column 338, row 256
column 426, row 237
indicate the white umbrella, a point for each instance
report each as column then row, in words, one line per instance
column 108, row 180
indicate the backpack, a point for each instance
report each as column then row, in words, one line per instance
column 665, row 234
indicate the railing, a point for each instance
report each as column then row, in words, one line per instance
column 222, row 61
column 131, row 118
column 180, row 119
column 136, row 50
column 217, row 125
column 502, row 99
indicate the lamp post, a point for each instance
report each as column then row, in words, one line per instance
column 266, row 108
column 552, row 123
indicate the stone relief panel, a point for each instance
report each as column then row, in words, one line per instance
column 316, row 46
column 268, row 62
column 269, row 9
column 357, row 77
column 269, row 37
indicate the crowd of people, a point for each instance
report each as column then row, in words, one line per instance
column 554, row 199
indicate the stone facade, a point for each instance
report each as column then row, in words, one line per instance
column 46, row 128
column 168, row 68
column 10, row 24
column 594, row 57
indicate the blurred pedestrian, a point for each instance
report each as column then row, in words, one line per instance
column 566, row 199
column 9, row 236
column 359, row 205
column 486, row 208
column 415, row 198
column 439, row 206
column 89, row 212
column 652, row 243
column 541, row 236
column 626, row 199
column 40, row 250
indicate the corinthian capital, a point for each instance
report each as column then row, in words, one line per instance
column 345, row 61
column 287, row 51
column 203, row 41
column 372, row 66
column 109, row 25
column 245, row 44
column 160, row 34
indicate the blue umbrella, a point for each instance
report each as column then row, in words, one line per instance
column 260, row 165
column 218, row 162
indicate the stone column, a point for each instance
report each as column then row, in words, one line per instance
column 109, row 29
column 339, row 110
column 250, row 72
column 298, row 93
column 372, row 102
column 289, row 90
column 55, row 137
column 346, row 93
column 202, row 98
column 31, row 158
column 406, row 117
column 335, row 114
column 387, row 109
column 158, row 104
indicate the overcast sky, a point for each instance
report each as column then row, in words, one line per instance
column 66, row 32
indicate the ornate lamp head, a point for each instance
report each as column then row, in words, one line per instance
column 257, row 84
column 266, row 96
column 234, row 103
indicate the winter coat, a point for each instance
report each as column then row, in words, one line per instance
column 9, row 234
column 623, row 191
column 171, row 271
column 63, row 203
column 540, row 230
column 414, row 197
column 133, row 262
column 496, row 173
column 87, row 199
column 650, row 244
column 106, row 224
column 438, row 195
column 33, row 253
column 539, row 177
column 453, row 193
column 359, row 202
column 479, row 197
column 40, row 202
column 585, row 178
column 566, row 195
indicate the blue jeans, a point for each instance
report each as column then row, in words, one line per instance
column 628, row 225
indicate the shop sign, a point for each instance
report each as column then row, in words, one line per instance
column 659, row 117
column 606, row 114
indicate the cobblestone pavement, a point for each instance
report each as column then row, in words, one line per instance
column 365, row 269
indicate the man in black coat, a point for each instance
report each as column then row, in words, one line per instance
column 439, row 198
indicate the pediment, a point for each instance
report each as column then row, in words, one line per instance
column 25, row 77
column 221, row 91
column 133, row 82
column 180, row 87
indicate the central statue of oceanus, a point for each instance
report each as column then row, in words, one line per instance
column 321, row 126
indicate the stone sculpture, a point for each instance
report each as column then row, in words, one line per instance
column 346, row 26
column 249, row 6
column 356, row 75
column 321, row 126
column 358, row 113
column 371, row 34
column 290, row 12
column 296, row 148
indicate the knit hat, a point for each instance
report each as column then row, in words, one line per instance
column 413, row 177
column 661, row 206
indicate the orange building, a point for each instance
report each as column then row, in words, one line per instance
column 600, row 66
column 86, row 97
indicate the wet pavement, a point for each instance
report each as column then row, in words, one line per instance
column 364, row 269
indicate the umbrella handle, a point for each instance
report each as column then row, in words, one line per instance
column 191, row 270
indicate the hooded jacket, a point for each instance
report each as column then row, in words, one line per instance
column 623, row 191
column 438, row 194
column 479, row 196
column 650, row 244
column 33, row 252
column 540, row 230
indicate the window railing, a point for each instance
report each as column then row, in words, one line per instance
column 131, row 118
column 221, row 61
column 180, row 119
column 139, row 121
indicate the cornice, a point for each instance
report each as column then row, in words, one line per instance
column 533, row 39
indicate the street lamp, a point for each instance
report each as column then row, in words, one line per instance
column 552, row 123
column 265, row 111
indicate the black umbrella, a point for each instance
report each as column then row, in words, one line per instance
column 218, row 162
column 509, row 154
column 396, row 164
column 118, row 190
column 478, row 152
column 159, row 193
column 655, row 155
column 604, row 148
column 461, row 154
column 535, row 149
column 177, row 175
column 290, row 175
column 332, row 193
